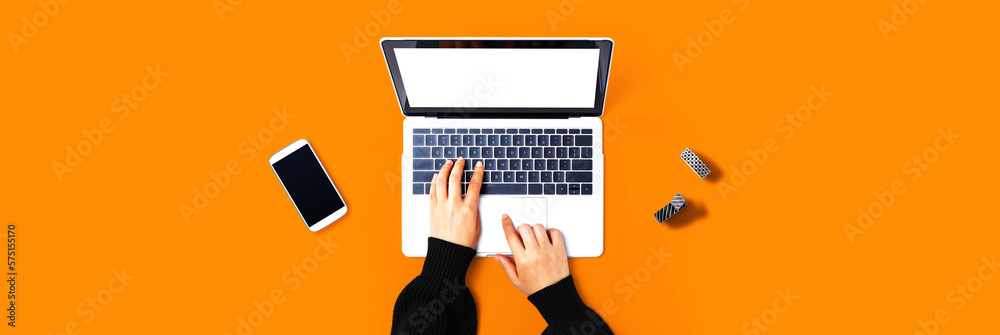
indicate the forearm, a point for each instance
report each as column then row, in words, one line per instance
column 565, row 312
column 437, row 301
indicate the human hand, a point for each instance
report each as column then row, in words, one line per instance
column 539, row 254
column 453, row 218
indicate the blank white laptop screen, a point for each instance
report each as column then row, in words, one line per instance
column 498, row 77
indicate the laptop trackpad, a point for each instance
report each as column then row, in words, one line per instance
column 530, row 210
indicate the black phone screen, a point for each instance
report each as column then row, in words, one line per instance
column 311, row 190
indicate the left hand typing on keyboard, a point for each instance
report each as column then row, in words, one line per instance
column 455, row 218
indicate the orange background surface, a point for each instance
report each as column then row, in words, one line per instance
column 783, row 227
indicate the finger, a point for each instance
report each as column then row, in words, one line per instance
column 442, row 181
column 434, row 198
column 541, row 236
column 472, row 195
column 513, row 238
column 557, row 238
column 508, row 267
column 527, row 235
column 455, row 180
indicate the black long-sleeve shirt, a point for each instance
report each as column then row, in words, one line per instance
column 438, row 302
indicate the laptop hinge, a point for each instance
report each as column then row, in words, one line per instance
column 502, row 116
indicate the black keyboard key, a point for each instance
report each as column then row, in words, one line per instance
column 471, row 163
column 437, row 152
column 418, row 188
column 560, row 188
column 493, row 140
column 504, row 189
column 552, row 164
column 467, row 140
column 437, row 131
column 456, row 140
column 498, row 152
column 549, row 152
column 549, row 188
column 558, row 177
column 421, row 131
column 466, row 177
column 508, row 177
column 530, row 140
column 584, row 140
column 527, row 164
column 539, row 164
column 487, row 131
column 449, row 152
column 518, row 140
column 534, row 188
column 567, row 141
column 438, row 163
column 462, row 152
column 501, row 164
column 422, row 152
column 587, row 153
column 579, row 177
column 474, row 152
column 505, row 140
column 533, row 177
column 583, row 164
column 560, row 131
column 512, row 130
column 462, row 131
column 574, row 152
column 543, row 140
column 423, row 164
column 473, row 131
column 536, row 152
column 499, row 131
column 418, row 140
column 422, row 176
column 511, row 152
column 587, row 131
column 555, row 140
column 514, row 164
column 521, row 177
column 486, row 152
column 481, row 140
column 524, row 152
column 536, row 131
column 586, row 188
column 574, row 188
column 524, row 131
column 495, row 177
column 430, row 140
column 449, row 131
column 442, row 140
column 546, row 176
column 564, row 164
column 467, row 166
column 561, row 152
column 574, row 131
column 549, row 131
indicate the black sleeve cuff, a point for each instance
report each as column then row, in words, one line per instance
column 559, row 303
column 446, row 260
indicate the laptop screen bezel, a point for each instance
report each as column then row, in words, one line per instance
column 605, row 45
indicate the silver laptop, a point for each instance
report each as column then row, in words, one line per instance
column 528, row 108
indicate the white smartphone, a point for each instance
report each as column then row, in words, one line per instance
column 308, row 185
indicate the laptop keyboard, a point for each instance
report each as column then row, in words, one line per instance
column 516, row 161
